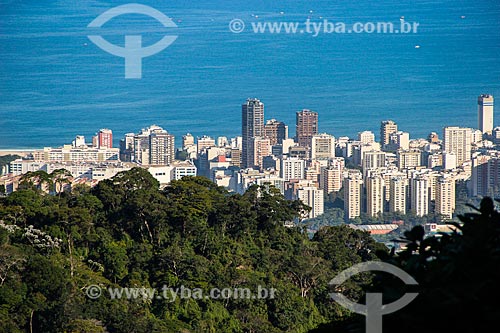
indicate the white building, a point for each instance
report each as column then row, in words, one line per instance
column 457, row 140
column 322, row 146
column 400, row 140
column 292, row 168
column 485, row 113
column 449, row 161
column 331, row 177
column 445, row 197
column 366, row 137
column 164, row 174
column 398, row 194
column 81, row 154
column 352, row 194
column 312, row 197
column 420, row 195
column 374, row 195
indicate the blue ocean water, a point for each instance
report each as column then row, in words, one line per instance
column 55, row 84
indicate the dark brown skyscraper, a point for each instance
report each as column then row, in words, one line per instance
column 252, row 125
column 307, row 126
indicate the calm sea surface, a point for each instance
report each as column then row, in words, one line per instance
column 55, row 84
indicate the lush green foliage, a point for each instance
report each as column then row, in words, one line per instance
column 458, row 276
column 126, row 232
column 6, row 159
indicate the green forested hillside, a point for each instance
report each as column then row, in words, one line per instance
column 128, row 233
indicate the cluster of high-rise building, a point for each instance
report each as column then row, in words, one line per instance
column 392, row 173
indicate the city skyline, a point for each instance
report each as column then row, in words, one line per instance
column 375, row 128
column 392, row 173
column 219, row 166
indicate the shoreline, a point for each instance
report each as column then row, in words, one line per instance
column 20, row 152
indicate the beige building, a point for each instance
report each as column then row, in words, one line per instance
column 458, row 141
column 398, row 194
column 420, row 195
column 205, row 142
column 386, row 129
column 331, row 176
column 259, row 148
column 161, row 148
column 435, row 160
column 366, row 137
column 374, row 195
column 187, row 141
column 485, row 113
column 292, row 168
column 409, row 159
column 312, row 197
column 322, row 146
column 445, row 197
column 353, row 190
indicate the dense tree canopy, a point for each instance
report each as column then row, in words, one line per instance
column 458, row 279
column 126, row 232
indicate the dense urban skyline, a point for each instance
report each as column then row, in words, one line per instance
column 395, row 173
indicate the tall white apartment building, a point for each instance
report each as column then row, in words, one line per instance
column 161, row 148
column 398, row 194
column 485, row 113
column 400, row 140
column 353, row 191
column 445, row 197
column 373, row 160
column 374, row 195
column 457, row 140
column 420, row 195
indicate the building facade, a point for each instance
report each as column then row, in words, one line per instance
column 306, row 127
column 252, row 125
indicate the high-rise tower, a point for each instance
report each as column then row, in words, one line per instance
column 252, row 125
column 306, row 127
column 485, row 113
